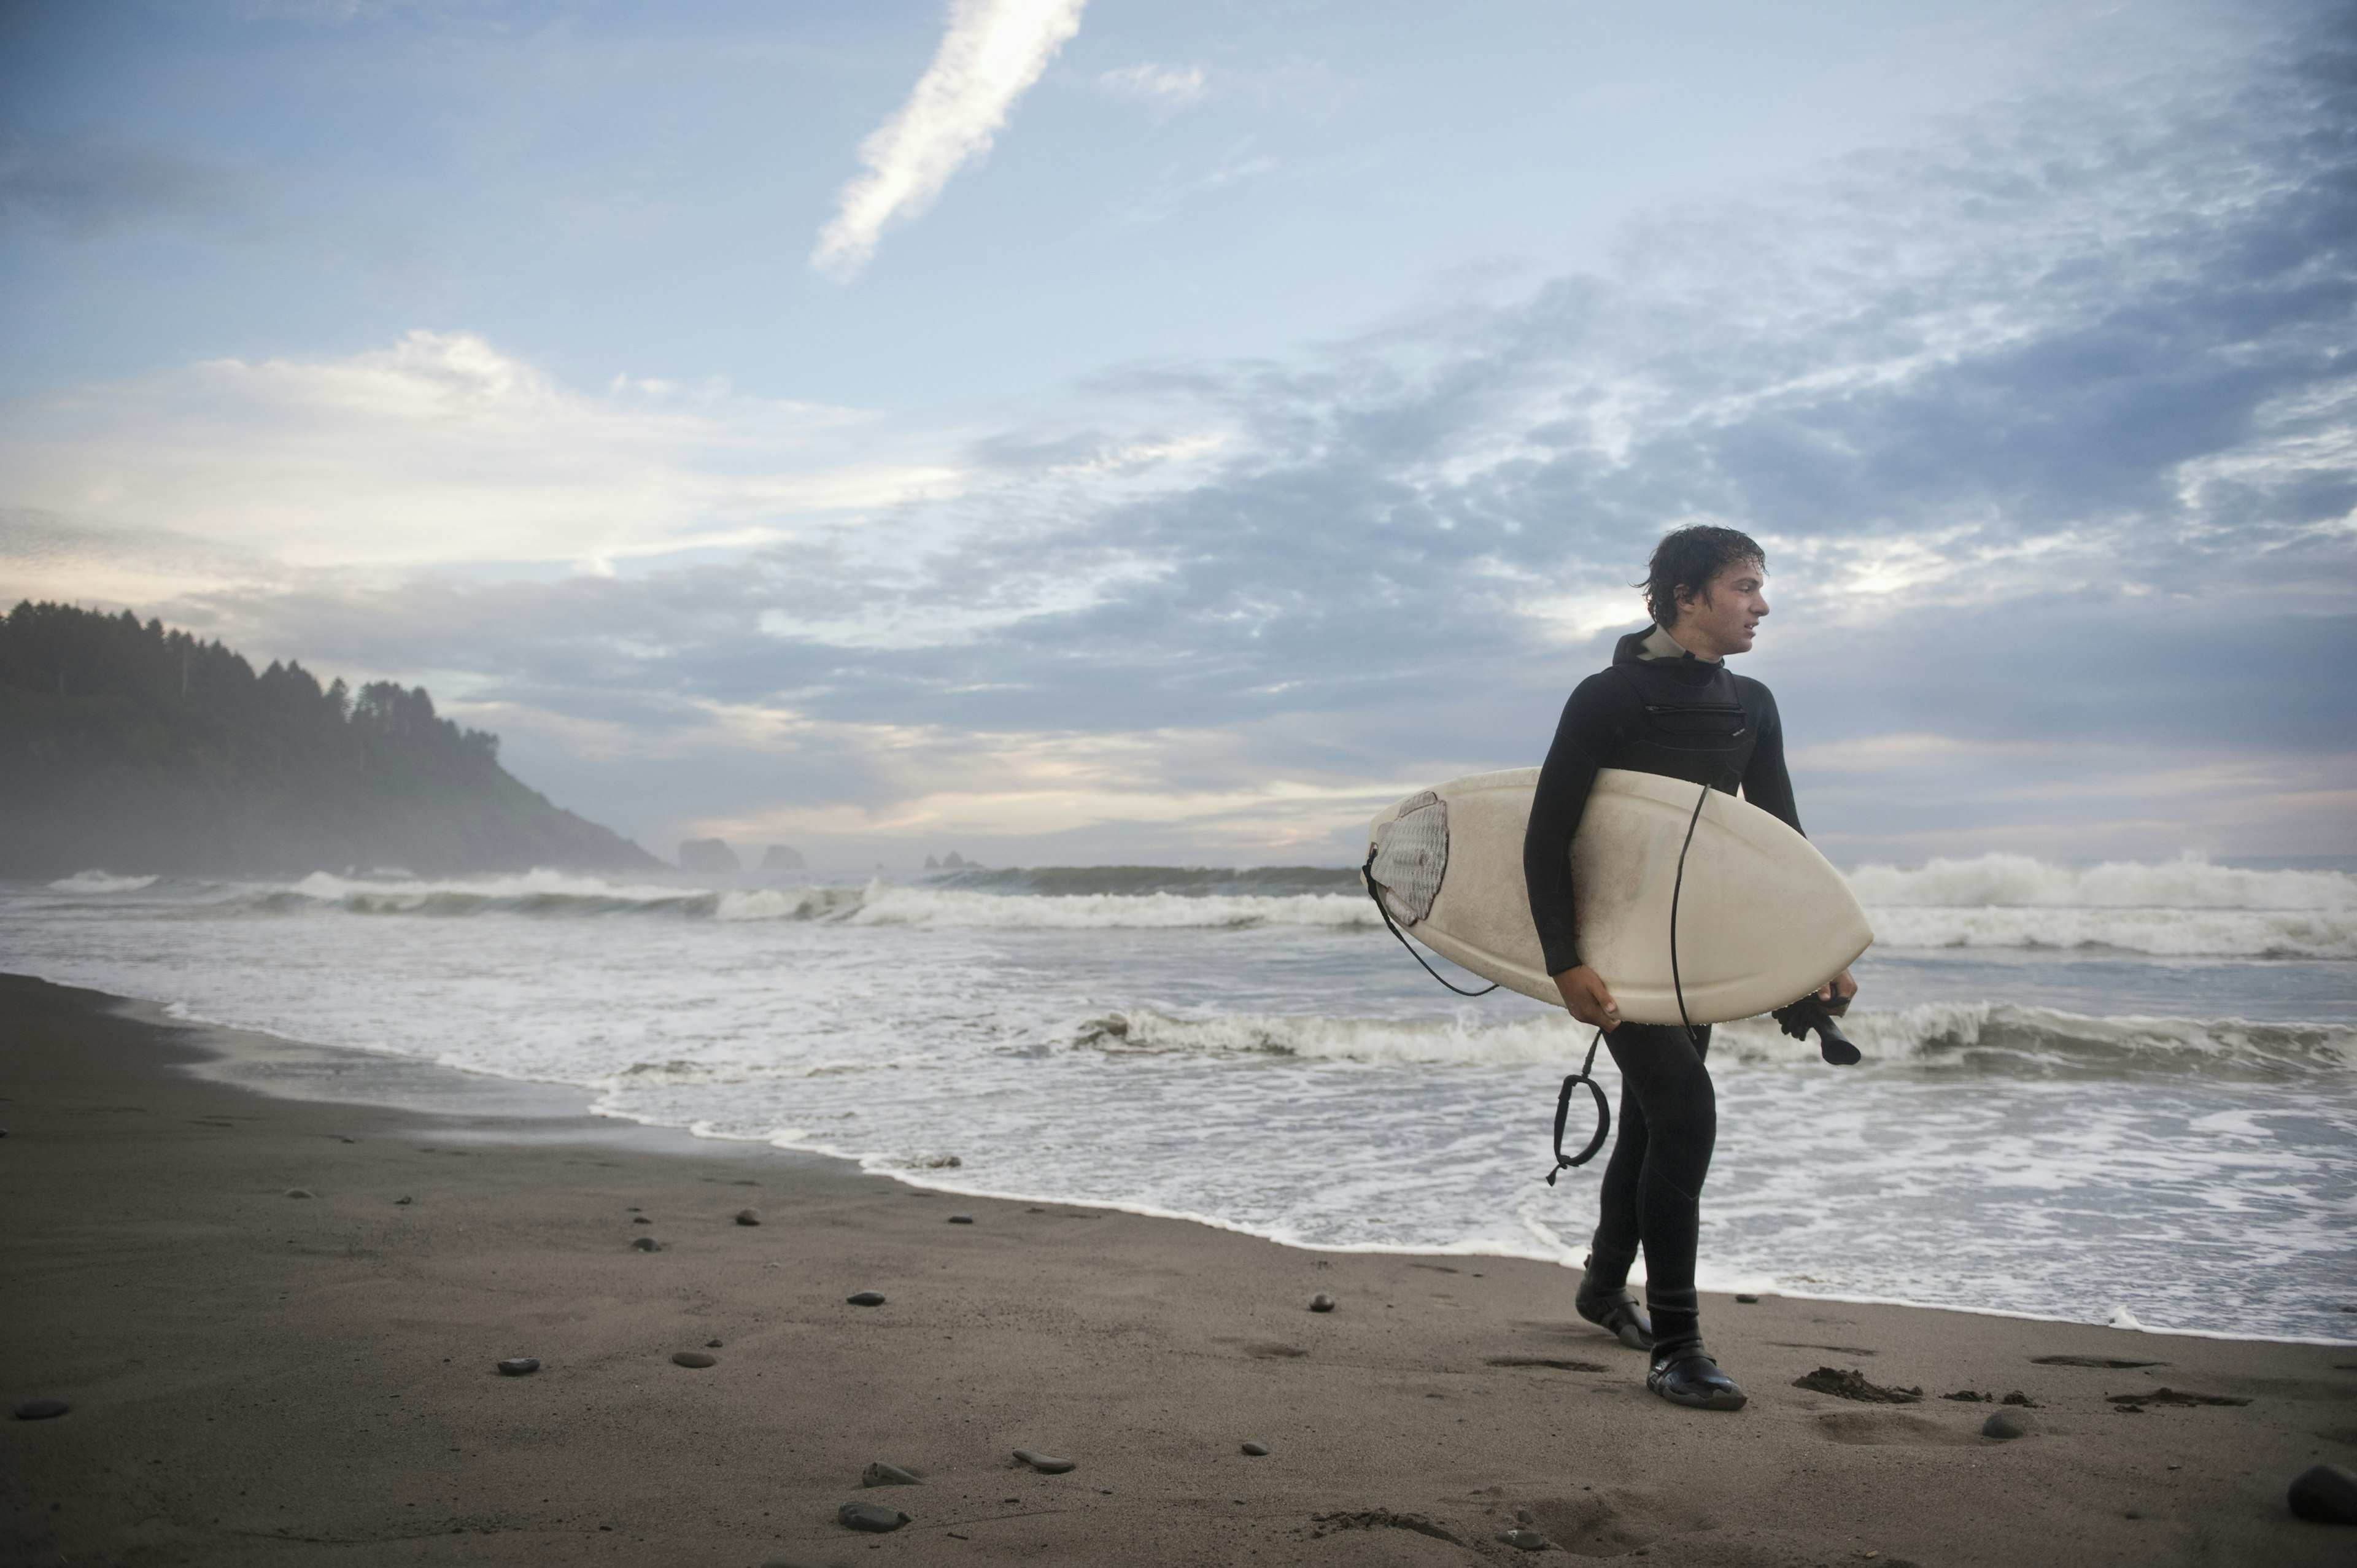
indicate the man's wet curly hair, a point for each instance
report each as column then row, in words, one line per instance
column 1690, row 558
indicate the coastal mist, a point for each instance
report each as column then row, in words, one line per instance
column 2125, row 1089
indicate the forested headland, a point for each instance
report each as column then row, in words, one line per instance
column 140, row 749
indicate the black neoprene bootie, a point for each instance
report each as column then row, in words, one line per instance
column 1686, row 1375
column 1606, row 1300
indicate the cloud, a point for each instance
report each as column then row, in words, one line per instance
column 441, row 450
column 993, row 53
column 88, row 183
column 1170, row 86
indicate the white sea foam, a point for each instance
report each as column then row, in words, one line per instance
column 885, row 905
column 100, row 882
column 1938, row 1034
column 2163, row 933
column 2018, row 881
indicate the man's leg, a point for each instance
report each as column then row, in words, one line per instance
column 1661, row 1067
column 1605, row 1297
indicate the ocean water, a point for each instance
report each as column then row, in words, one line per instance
column 2087, row 1090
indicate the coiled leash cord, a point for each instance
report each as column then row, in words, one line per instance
column 1367, row 875
column 1564, row 1162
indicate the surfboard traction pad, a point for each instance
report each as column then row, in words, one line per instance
column 1412, row 856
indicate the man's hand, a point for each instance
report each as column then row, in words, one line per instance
column 1834, row 994
column 1584, row 993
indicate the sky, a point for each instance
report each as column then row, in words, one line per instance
column 1085, row 431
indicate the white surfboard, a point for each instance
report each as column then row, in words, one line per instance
column 1763, row 919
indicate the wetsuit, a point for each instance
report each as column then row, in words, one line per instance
column 1657, row 709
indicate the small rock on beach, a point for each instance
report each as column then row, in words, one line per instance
column 2008, row 1424
column 518, row 1367
column 1322, row 1302
column 874, row 1516
column 866, row 1298
column 694, row 1359
column 41, row 1410
column 960, row 1219
column 2324, row 1493
column 300, row 1192
column 1747, row 1301
column 1524, row 1540
column 748, row 1217
column 879, row 1474
column 646, row 1244
column 1046, row 1464
column 1256, row 1449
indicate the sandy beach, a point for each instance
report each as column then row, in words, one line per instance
column 256, row 1376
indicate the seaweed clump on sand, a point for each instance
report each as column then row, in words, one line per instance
column 1852, row 1385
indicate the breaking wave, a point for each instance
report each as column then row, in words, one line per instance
column 1969, row 1035
column 100, row 882
column 2186, row 908
column 878, row 903
column 2018, row 881
column 2180, row 908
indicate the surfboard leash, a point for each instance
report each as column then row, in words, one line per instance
column 1586, row 1075
column 1374, row 891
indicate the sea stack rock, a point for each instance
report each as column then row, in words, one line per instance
column 778, row 857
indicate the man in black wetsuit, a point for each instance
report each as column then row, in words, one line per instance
column 1668, row 704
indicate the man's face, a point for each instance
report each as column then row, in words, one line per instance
column 1725, row 616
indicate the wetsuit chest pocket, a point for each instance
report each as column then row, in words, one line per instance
column 1697, row 724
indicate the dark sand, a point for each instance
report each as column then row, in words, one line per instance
column 258, row 1378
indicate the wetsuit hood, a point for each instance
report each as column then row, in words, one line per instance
column 1652, row 645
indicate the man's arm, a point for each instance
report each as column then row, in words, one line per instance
column 1591, row 727
column 1765, row 784
column 1769, row 786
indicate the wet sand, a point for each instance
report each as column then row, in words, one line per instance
column 260, row 1378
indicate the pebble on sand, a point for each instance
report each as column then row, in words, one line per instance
column 402, row 1199
column 1742, row 1299
column 866, row 1298
column 646, row 1244
column 1046, row 1464
column 2325, row 1493
column 519, row 1366
column 1256, row 1449
column 694, row 1359
column 960, row 1219
column 2006, row 1424
column 642, row 1220
column 879, row 1474
column 300, row 1192
column 1322, row 1302
column 748, row 1217
column 873, row 1517
column 1524, row 1540
column 41, row 1410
